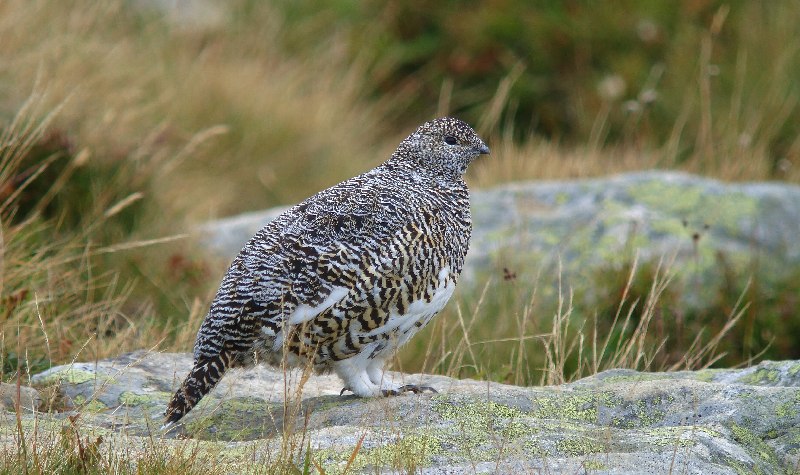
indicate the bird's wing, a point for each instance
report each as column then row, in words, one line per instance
column 309, row 259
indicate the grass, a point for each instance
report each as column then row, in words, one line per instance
column 512, row 334
column 120, row 130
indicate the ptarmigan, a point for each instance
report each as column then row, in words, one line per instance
column 346, row 277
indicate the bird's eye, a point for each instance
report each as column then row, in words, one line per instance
column 450, row 140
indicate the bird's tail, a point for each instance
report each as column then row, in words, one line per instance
column 205, row 374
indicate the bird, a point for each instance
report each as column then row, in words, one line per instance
column 344, row 278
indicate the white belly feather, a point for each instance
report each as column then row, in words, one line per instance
column 405, row 325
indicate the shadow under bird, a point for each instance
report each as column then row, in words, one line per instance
column 343, row 279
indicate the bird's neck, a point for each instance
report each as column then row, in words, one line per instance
column 408, row 161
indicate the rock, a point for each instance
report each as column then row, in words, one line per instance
column 9, row 395
column 581, row 229
column 616, row 422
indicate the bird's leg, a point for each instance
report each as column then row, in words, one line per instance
column 353, row 372
column 377, row 374
column 370, row 381
column 376, row 371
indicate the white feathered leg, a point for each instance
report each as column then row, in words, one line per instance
column 354, row 373
column 367, row 378
column 377, row 372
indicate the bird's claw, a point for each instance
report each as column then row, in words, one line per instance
column 408, row 388
column 412, row 388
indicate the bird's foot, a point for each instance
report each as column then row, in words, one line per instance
column 413, row 388
column 408, row 388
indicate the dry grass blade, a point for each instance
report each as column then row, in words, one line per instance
column 706, row 356
column 354, row 454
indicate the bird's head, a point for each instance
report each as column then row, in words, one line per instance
column 444, row 146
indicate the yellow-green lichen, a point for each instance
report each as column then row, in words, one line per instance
column 577, row 446
column 478, row 415
column 94, row 406
column 475, row 423
column 741, row 469
column 534, row 448
column 572, row 406
column 71, row 376
column 671, row 436
column 637, row 377
column 406, row 453
column 794, row 369
column 594, row 465
column 413, row 450
column 232, row 419
column 647, row 412
column 130, row 398
column 787, row 409
column 643, row 415
column 88, row 406
column 694, row 204
column 705, row 375
column 761, row 376
column 753, row 444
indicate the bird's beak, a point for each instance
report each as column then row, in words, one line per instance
column 483, row 149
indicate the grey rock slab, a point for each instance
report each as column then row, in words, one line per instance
column 578, row 228
column 27, row 397
column 617, row 422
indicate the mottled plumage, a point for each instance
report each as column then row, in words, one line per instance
column 348, row 275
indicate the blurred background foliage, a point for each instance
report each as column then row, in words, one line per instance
column 126, row 122
column 631, row 72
